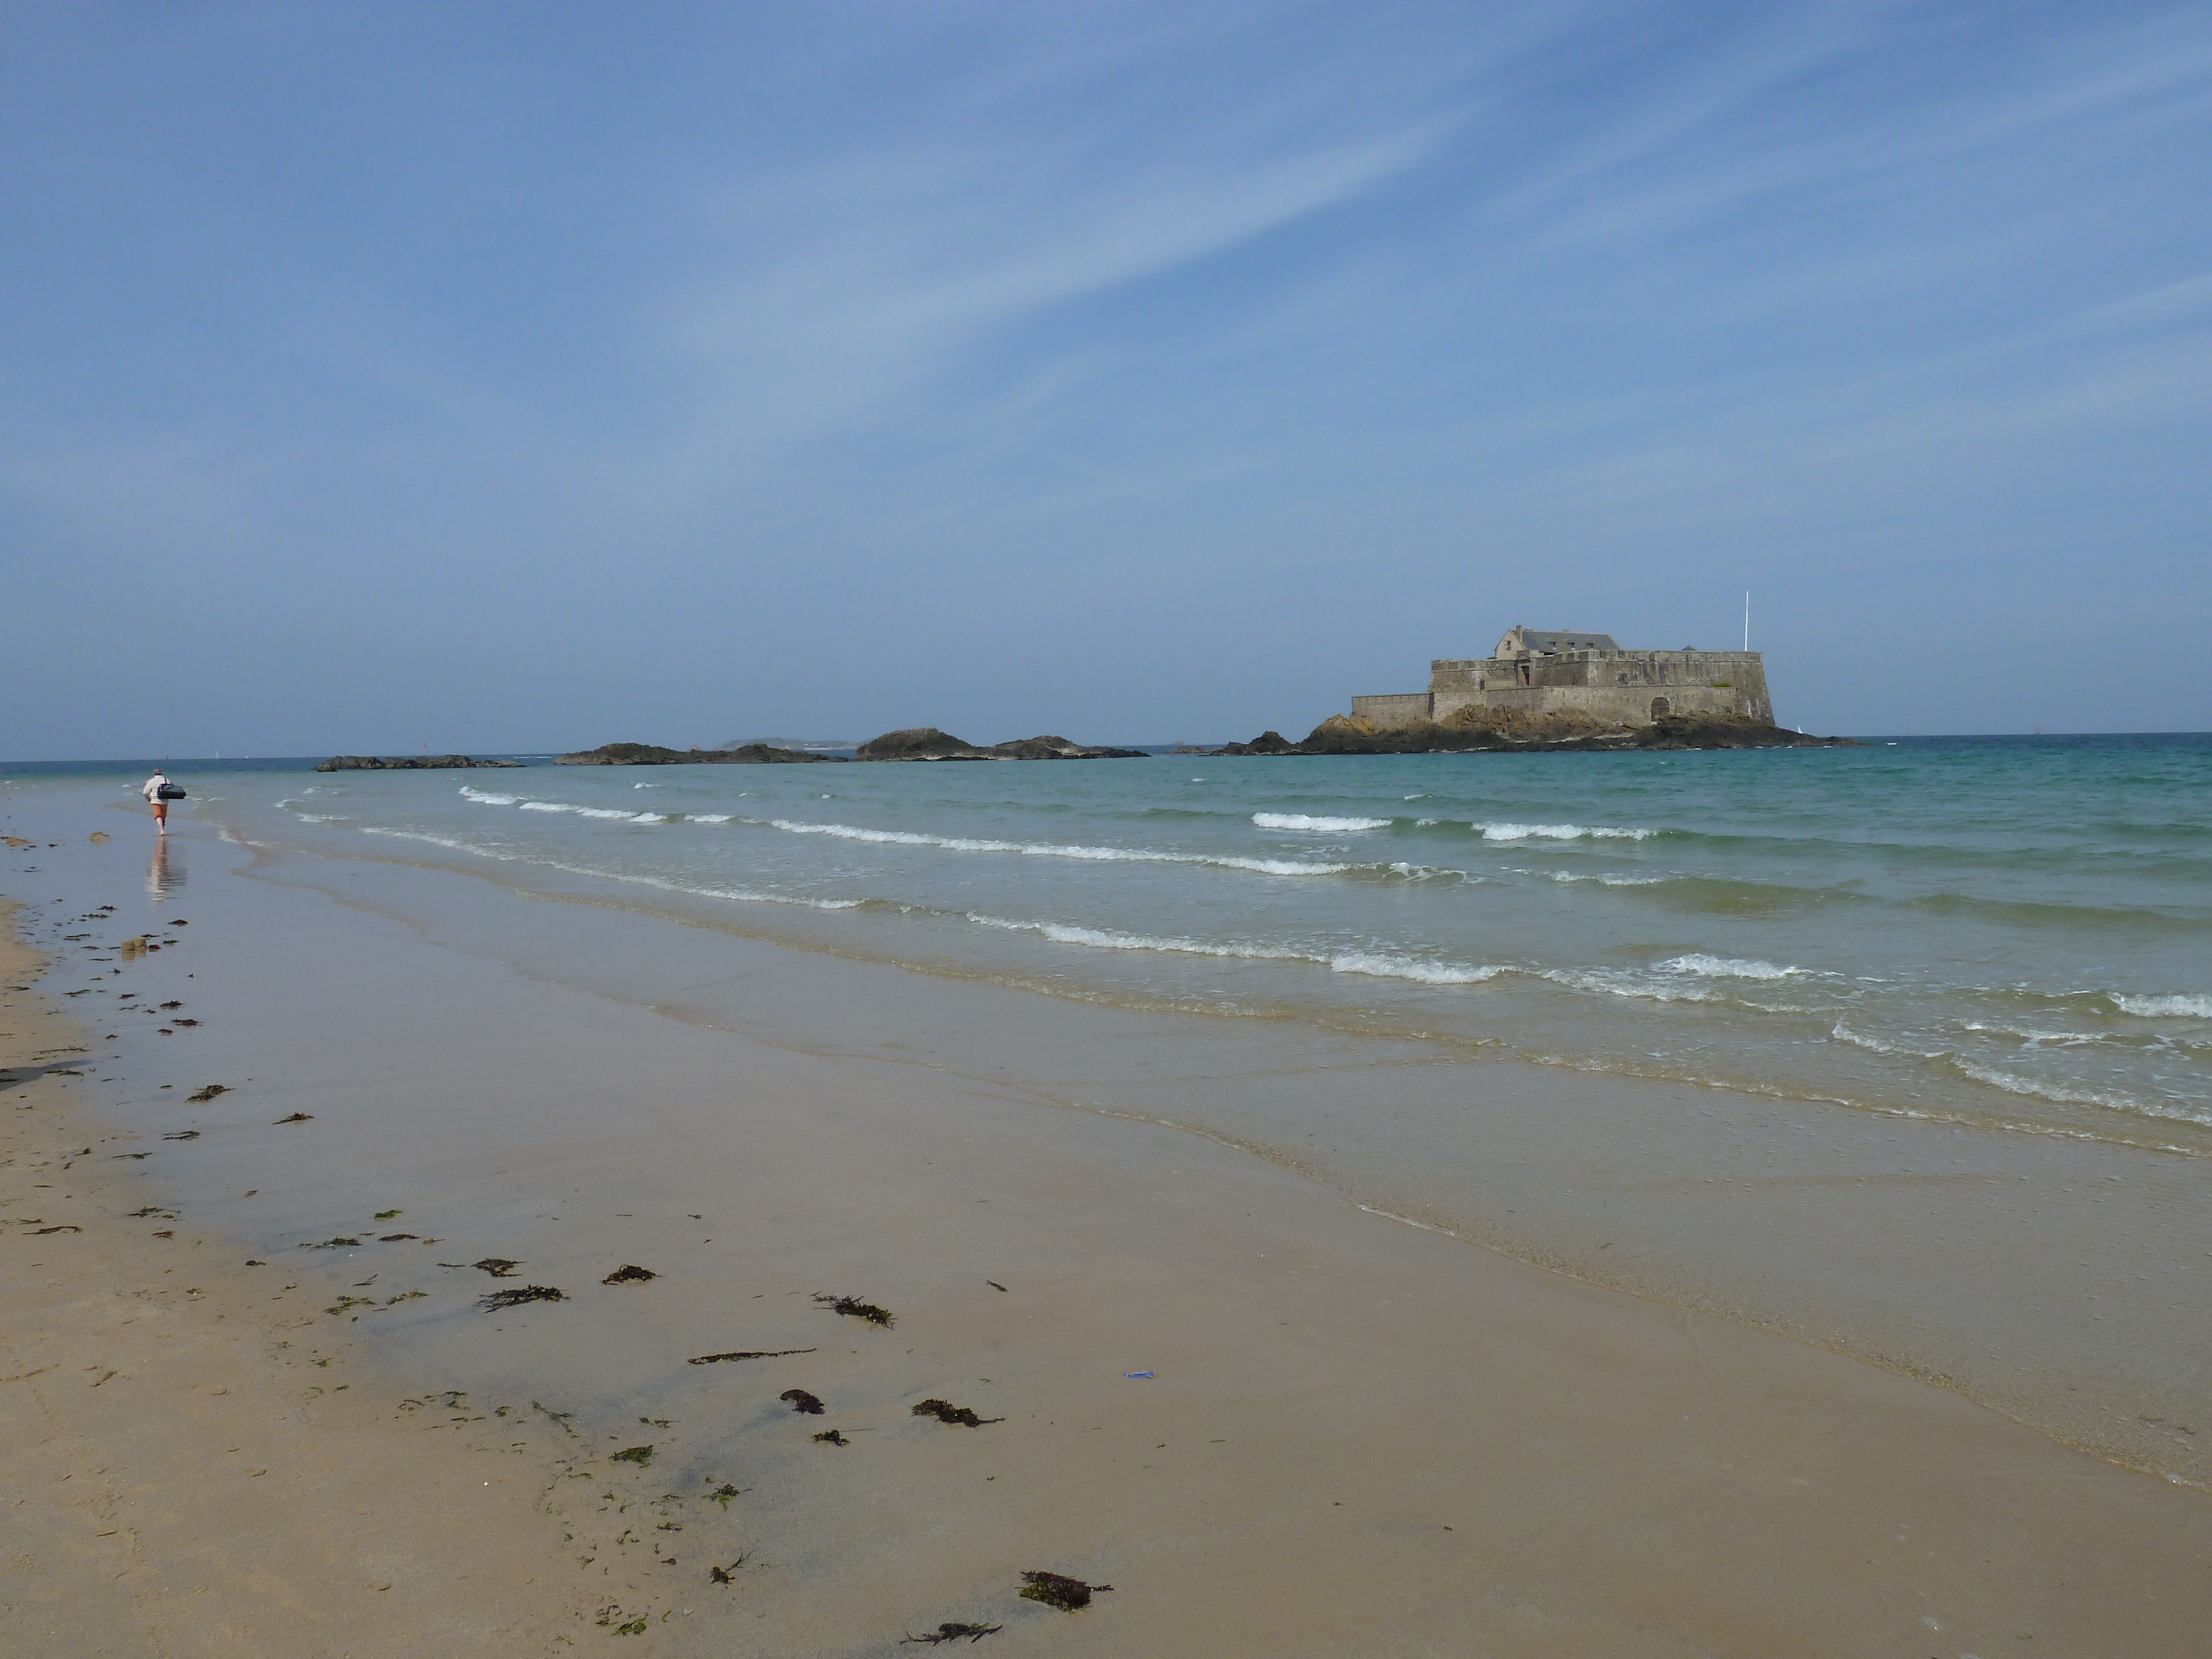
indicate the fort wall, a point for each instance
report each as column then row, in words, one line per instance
column 1615, row 688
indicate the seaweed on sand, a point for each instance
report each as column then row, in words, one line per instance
column 832, row 1437
column 951, row 1631
column 805, row 1404
column 629, row 1274
column 961, row 1416
column 498, row 1266
column 746, row 1353
column 640, row 1456
column 200, row 1095
column 853, row 1307
column 728, row 1575
column 515, row 1299
column 1057, row 1589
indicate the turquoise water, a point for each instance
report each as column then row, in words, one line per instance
column 2014, row 934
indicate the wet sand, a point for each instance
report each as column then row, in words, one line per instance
column 1356, row 1437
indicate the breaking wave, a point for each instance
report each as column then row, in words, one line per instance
column 1558, row 832
column 1345, row 962
column 1705, row 967
column 1306, row 821
column 1042, row 849
column 2186, row 1007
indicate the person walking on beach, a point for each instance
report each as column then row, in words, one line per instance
column 152, row 789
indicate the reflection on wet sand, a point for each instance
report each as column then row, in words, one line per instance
column 166, row 875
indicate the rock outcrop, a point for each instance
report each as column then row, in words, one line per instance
column 1511, row 730
column 648, row 753
column 405, row 764
column 926, row 743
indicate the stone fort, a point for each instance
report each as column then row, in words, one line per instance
column 1580, row 677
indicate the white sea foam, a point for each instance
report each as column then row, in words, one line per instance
column 1427, row 972
column 1607, row 881
column 1106, row 938
column 1844, row 1033
column 2033, row 1036
column 469, row 792
column 439, row 840
column 2186, row 1007
column 1625, row 985
column 1350, row 962
column 2012, row 1082
column 710, row 817
column 741, row 895
column 1034, row 849
column 1307, row 821
column 581, row 811
column 1558, row 832
column 648, row 817
column 1705, row 967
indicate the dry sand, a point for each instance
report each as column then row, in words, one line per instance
column 1358, row 1438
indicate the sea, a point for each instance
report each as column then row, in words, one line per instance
column 1903, row 1047
column 2007, row 932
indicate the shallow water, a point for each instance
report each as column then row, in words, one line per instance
column 2002, row 932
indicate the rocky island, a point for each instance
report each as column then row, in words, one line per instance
column 651, row 754
column 1557, row 690
column 1469, row 732
column 926, row 743
column 405, row 764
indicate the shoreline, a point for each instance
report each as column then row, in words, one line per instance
column 1527, row 1461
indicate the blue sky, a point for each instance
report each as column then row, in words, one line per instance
column 517, row 376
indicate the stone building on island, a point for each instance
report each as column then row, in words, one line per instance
column 1583, row 678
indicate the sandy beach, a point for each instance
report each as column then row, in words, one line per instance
column 256, row 1404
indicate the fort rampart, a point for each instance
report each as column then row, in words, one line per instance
column 1611, row 688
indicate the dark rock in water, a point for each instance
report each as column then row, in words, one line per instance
column 405, row 763
column 649, row 754
column 1268, row 743
column 926, row 743
column 1522, row 734
column 1052, row 748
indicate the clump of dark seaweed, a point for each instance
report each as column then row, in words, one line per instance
column 723, row 1493
column 630, row 1275
column 728, row 1575
column 515, row 1299
column 945, row 1411
column 199, row 1096
column 951, row 1632
column 1057, row 1589
column 298, row 1117
column 640, row 1456
column 832, row 1437
column 856, row 1309
column 340, row 1244
column 498, row 1266
column 746, row 1353
column 803, row 1403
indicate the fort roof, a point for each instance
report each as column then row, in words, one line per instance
column 1521, row 641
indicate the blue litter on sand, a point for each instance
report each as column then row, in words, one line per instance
column 1136, row 1373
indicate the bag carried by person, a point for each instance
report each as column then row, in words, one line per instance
column 170, row 792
